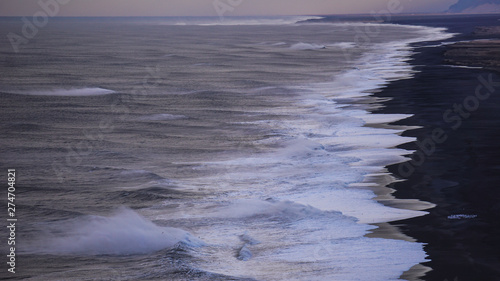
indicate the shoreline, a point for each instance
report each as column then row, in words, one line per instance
column 475, row 42
column 381, row 183
column 464, row 248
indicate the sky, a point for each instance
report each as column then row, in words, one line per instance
column 208, row 7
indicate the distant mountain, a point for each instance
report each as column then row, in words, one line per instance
column 476, row 7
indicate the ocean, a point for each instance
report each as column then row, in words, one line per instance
column 206, row 149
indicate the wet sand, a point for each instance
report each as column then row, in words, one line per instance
column 457, row 163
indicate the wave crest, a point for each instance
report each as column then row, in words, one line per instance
column 123, row 233
column 307, row 46
column 75, row 92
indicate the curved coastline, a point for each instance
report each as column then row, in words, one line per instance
column 380, row 183
column 457, row 175
column 448, row 260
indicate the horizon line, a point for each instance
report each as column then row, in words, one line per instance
column 242, row 16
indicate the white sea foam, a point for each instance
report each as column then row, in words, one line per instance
column 331, row 244
column 465, row 67
column 343, row 45
column 455, row 42
column 356, row 203
column 252, row 207
column 307, row 46
column 123, row 233
column 278, row 44
column 324, row 151
column 461, row 217
column 73, row 92
column 370, row 146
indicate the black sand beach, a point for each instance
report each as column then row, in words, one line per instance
column 457, row 163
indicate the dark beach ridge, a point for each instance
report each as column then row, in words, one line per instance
column 455, row 99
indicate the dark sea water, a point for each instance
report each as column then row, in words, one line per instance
column 193, row 149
